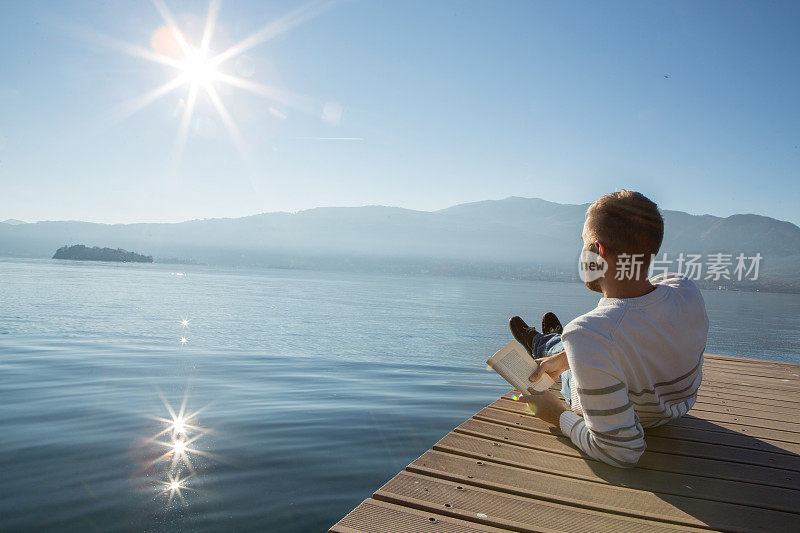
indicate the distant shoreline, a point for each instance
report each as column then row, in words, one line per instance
column 426, row 273
column 81, row 252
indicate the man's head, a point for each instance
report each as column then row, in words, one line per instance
column 623, row 223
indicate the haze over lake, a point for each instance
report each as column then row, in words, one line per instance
column 527, row 238
column 316, row 387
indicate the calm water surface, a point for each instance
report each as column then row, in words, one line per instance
column 313, row 389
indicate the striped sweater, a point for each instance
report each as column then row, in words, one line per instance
column 636, row 363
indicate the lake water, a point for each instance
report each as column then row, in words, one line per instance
column 313, row 389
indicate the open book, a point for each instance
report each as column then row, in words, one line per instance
column 514, row 364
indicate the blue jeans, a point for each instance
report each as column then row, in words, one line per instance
column 550, row 344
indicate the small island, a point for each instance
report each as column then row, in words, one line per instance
column 80, row 252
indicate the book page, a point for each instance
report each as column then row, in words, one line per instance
column 514, row 364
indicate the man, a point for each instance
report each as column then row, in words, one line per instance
column 634, row 361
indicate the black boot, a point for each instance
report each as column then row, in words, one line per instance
column 551, row 324
column 522, row 332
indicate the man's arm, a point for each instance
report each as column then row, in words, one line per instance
column 605, row 433
column 612, row 435
column 554, row 365
column 609, row 430
column 545, row 405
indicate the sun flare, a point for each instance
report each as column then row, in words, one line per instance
column 179, row 425
column 201, row 73
column 174, row 486
column 199, row 70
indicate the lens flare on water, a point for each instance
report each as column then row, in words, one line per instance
column 179, row 437
column 174, row 486
column 178, row 447
column 179, row 426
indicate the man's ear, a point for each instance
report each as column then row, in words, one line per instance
column 600, row 248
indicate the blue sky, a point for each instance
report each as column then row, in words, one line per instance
column 445, row 102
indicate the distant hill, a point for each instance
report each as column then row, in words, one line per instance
column 13, row 222
column 80, row 252
column 511, row 238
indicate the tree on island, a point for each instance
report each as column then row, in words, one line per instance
column 80, row 252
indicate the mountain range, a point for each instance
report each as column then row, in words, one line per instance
column 526, row 238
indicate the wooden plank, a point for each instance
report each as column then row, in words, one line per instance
column 744, row 411
column 605, row 498
column 373, row 516
column 729, row 439
column 733, row 361
column 749, row 409
column 727, row 394
column 750, row 370
column 757, row 383
column 744, row 370
column 749, row 360
column 507, row 511
column 751, row 388
column 483, row 450
column 719, row 425
column 746, row 386
column 752, row 364
column 777, row 376
column 660, row 444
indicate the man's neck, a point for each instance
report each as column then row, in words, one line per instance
column 627, row 288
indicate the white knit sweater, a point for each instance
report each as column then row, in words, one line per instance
column 636, row 363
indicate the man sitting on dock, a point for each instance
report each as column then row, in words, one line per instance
column 634, row 361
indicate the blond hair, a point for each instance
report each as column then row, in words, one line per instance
column 626, row 222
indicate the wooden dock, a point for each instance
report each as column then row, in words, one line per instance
column 731, row 464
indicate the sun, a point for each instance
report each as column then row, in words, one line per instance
column 199, row 69
column 200, row 72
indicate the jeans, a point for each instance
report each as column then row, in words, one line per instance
column 545, row 345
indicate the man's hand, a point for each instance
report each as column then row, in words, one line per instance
column 553, row 365
column 545, row 405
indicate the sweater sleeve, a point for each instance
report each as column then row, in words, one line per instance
column 609, row 430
